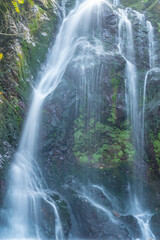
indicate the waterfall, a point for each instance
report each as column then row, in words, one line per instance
column 27, row 188
column 153, row 68
column 127, row 50
column 78, row 46
column 152, row 56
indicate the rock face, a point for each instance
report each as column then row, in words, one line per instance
column 132, row 225
column 80, row 135
column 47, row 217
column 22, row 32
column 97, row 213
column 155, row 225
column 94, row 223
column 64, row 112
column 152, row 119
column 82, row 126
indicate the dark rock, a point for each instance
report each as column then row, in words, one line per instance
column 132, row 225
column 155, row 225
column 94, row 223
column 47, row 216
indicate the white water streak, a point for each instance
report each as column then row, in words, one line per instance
column 27, row 186
column 152, row 54
column 127, row 50
column 152, row 64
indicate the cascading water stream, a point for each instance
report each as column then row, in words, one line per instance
column 27, row 188
column 152, row 56
column 153, row 68
column 126, row 49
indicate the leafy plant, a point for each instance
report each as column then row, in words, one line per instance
column 156, row 145
column 95, row 142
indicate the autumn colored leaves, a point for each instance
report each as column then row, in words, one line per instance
column 16, row 3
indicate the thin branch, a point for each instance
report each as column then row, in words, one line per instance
column 11, row 34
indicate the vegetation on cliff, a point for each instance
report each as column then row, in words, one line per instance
column 26, row 30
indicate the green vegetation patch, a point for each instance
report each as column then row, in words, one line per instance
column 101, row 144
column 156, row 144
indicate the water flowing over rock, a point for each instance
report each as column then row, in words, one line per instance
column 80, row 168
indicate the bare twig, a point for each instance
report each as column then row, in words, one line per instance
column 11, row 34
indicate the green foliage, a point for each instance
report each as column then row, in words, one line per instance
column 33, row 26
column 35, row 23
column 138, row 4
column 31, row 2
column 95, row 142
column 156, row 145
column 158, row 27
column 115, row 85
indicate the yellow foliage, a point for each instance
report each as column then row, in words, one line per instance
column 1, row 56
column 15, row 4
column 20, row 1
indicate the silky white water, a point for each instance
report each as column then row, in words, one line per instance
column 152, row 68
column 152, row 55
column 127, row 50
column 27, row 188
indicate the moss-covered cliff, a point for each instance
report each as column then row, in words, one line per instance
column 26, row 30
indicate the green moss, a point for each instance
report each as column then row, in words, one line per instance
column 33, row 26
column 158, row 26
column 115, row 86
column 156, row 144
column 101, row 143
column 35, row 51
column 140, row 4
column 10, row 120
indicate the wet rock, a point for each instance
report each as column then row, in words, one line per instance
column 132, row 225
column 64, row 214
column 114, row 69
column 153, row 87
column 95, row 223
column 155, row 225
column 152, row 107
column 47, row 216
column 110, row 19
